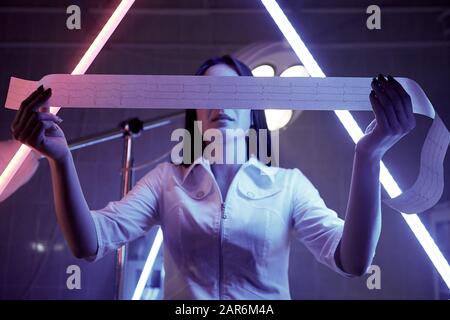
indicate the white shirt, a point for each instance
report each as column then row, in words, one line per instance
column 232, row 249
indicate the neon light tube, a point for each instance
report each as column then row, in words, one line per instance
column 355, row 132
column 148, row 266
column 87, row 59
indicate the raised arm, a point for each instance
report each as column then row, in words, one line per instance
column 394, row 118
column 39, row 129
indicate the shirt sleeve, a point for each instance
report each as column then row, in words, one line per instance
column 318, row 227
column 129, row 218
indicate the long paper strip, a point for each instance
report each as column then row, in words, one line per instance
column 183, row 92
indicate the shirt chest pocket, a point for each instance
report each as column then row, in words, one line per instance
column 255, row 227
column 270, row 200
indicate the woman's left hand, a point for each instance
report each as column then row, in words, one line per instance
column 394, row 117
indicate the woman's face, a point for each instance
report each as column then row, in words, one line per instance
column 223, row 118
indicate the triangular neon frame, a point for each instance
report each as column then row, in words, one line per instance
column 302, row 52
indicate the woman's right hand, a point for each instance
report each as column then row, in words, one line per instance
column 39, row 129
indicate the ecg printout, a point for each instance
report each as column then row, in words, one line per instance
column 207, row 92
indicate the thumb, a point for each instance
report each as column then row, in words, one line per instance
column 371, row 126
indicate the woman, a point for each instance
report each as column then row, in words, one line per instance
column 227, row 227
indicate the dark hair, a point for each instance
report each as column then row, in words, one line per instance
column 258, row 117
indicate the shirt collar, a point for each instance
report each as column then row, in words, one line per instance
column 199, row 161
column 264, row 171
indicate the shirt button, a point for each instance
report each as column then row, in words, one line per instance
column 250, row 194
column 200, row 194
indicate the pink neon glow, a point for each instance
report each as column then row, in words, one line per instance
column 81, row 68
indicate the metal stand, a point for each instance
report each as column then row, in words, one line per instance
column 129, row 129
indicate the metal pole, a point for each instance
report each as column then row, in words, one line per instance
column 118, row 133
column 126, row 187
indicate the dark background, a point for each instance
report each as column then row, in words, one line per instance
column 174, row 38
